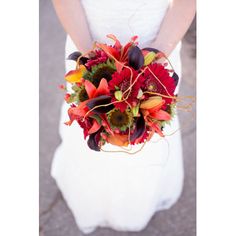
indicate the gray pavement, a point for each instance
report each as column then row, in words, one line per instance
column 55, row 217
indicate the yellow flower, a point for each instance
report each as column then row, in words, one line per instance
column 75, row 76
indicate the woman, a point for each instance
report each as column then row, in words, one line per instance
column 113, row 189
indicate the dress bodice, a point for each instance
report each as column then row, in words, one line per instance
column 125, row 18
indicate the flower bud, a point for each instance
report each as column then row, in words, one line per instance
column 135, row 111
column 118, row 95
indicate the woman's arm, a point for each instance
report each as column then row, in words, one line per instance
column 72, row 17
column 175, row 24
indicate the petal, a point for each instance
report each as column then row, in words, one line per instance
column 145, row 112
column 134, row 38
column 95, row 127
column 119, row 66
column 79, row 111
column 125, row 49
column 139, row 129
column 135, row 58
column 161, row 115
column 102, row 88
column 68, row 122
column 151, row 102
column 74, row 76
column 117, row 42
column 101, row 100
column 93, row 141
column 75, row 55
column 151, row 50
column 120, row 105
column 157, row 107
column 157, row 129
column 72, row 115
column 110, row 51
column 90, row 88
column 118, row 139
column 149, row 58
column 106, row 125
column 176, row 78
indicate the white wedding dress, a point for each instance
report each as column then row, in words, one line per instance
column 119, row 190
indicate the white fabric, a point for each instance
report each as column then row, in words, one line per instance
column 118, row 190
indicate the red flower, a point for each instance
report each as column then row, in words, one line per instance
column 99, row 57
column 67, row 97
column 122, row 81
column 118, row 52
column 164, row 84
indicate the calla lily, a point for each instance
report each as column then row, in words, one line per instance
column 93, row 141
column 74, row 76
column 118, row 140
column 139, row 129
column 75, row 55
column 135, row 58
column 100, row 100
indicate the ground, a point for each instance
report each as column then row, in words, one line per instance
column 55, row 217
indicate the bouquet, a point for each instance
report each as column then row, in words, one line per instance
column 120, row 94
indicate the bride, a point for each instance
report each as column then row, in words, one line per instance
column 119, row 190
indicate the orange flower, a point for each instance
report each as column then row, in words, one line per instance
column 117, row 51
column 74, row 76
column 93, row 92
column 118, row 140
column 151, row 110
column 81, row 110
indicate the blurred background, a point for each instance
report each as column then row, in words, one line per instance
column 55, row 217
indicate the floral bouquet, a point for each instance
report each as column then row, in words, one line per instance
column 120, row 94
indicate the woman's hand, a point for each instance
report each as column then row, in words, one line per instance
column 174, row 25
column 73, row 19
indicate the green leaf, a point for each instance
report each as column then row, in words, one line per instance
column 75, row 88
column 135, row 111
